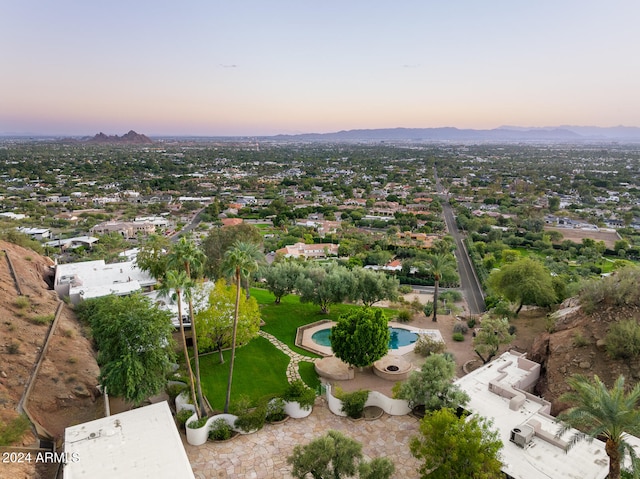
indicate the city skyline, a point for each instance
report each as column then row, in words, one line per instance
column 252, row 68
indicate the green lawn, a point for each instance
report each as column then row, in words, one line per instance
column 282, row 320
column 259, row 370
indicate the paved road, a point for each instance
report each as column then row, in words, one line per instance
column 469, row 283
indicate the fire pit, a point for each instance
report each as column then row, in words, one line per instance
column 392, row 368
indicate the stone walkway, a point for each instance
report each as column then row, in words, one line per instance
column 292, row 367
column 264, row 454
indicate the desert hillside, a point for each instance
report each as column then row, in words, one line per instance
column 64, row 390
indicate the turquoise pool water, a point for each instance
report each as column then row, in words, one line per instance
column 399, row 337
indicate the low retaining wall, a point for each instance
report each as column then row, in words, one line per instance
column 393, row 407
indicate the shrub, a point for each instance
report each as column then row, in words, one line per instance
column 12, row 431
column 425, row 346
column 460, row 328
column 428, row 309
column 405, row 289
column 297, row 391
column 220, row 430
column 404, row 316
column 579, row 340
column 22, row 302
column 275, row 410
column 623, row 339
column 198, row 423
column 253, row 419
column 13, row 348
column 174, row 390
column 450, row 296
column 353, row 402
column 471, row 323
column 43, row 319
column 458, row 337
column 183, row 416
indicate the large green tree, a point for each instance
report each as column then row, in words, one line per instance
column 133, row 338
column 335, row 456
column 438, row 265
column 152, row 256
column 493, row 333
column 281, row 278
column 525, row 281
column 220, row 240
column 360, row 337
column 432, row 386
column 242, row 259
column 215, row 322
column 599, row 412
column 325, row 285
column 372, row 286
column 455, row 447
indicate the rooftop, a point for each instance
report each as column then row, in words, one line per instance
column 137, row 444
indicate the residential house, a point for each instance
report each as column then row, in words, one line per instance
column 309, row 251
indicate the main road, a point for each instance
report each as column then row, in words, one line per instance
column 469, row 283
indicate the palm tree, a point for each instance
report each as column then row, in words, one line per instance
column 185, row 254
column 241, row 260
column 439, row 264
column 604, row 413
column 179, row 282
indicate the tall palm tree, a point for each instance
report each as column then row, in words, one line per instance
column 603, row 413
column 439, row 264
column 241, row 260
column 185, row 254
column 179, row 282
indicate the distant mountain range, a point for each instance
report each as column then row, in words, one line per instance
column 504, row 133
column 131, row 138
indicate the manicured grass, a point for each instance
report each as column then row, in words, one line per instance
column 308, row 374
column 282, row 320
column 259, row 370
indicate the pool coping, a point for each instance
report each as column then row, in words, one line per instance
column 304, row 341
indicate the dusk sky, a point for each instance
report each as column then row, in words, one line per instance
column 267, row 67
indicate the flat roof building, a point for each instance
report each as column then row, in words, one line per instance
column 500, row 391
column 137, row 444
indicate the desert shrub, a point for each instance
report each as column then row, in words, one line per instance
column 13, row 430
column 198, row 423
column 22, row 302
column 353, row 402
column 502, row 310
column 623, row 339
column 460, row 328
column 425, row 345
column 183, row 416
column 579, row 340
column 458, row 337
column 550, row 323
column 404, row 316
column 619, row 289
column 43, row 318
column 13, row 348
column 220, row 430
column 428, row 309
column 299, row 392
column 512, row 329
column 405, row 289
column 450, row 296
column 471, row 323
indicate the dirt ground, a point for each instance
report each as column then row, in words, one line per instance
column 576, row 235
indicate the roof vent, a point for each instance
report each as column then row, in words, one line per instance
column 521, row 435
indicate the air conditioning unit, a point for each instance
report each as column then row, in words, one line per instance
column 522, row 435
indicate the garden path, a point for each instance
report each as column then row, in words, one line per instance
column 292, row 368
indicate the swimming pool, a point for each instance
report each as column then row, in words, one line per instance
column 399, row 337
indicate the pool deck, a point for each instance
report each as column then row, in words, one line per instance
column 306, row 342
